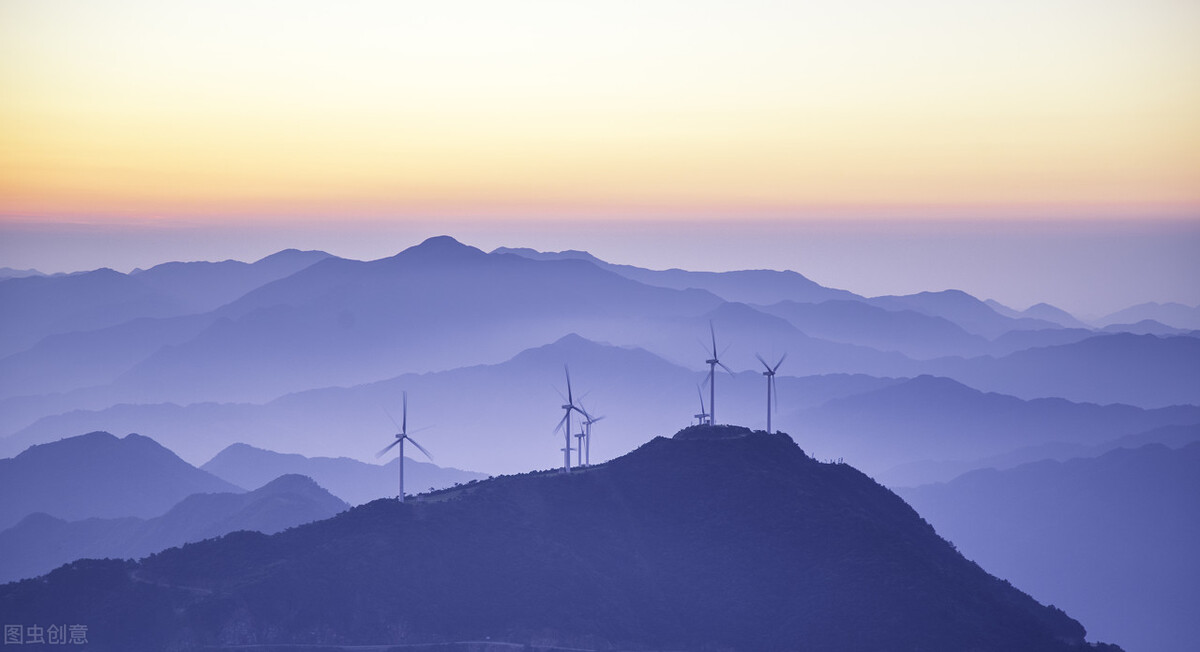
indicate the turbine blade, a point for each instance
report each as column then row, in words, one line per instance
column 599, row 418
column 722, row 365
column 568, row 372
column 774, row 394
column 390, row 447
column 419, row 447
column 404, row 417
column 422, row 429
column 781, row 359
column 561, row 422
column 713, row 331
column 764, row 362
column 700, row 393
column 391, row 418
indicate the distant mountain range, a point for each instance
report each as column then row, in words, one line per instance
column 963, row 309
column 1040, row 311
column 939, row 419
column 930, row 471
column 1175, row 315
column 515, row 403
column 492, row 418
column 191, row 332
column 350, row 480
column 1148, row 327
column 99, row 476
column 760, row 286
column 40, row 542
column 1143, row 370
column 300, row 351
column 9, row 272
column 915, row 334
column 50, row 305
column 739, row 542
column 1111, row 539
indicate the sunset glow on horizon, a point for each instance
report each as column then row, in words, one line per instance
column 1027, row 150
column 309, row 110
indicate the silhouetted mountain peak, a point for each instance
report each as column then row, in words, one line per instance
column 293, row 255
column 289, row 483
column 569, row 346
column 736, row 544
column 1052, row 314
column 441, row 247
column 931, row 383
column 573, row 340
column 90, row 444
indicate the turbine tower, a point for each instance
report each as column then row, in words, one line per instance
column 770, row 374
column 400, row 437
column 566, row 422
column 712, row 376
column 703, row 416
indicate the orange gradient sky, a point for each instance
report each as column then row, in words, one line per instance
column 242, row 110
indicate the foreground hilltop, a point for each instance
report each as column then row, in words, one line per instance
column 721, row 540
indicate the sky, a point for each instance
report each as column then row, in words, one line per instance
column 940, row 136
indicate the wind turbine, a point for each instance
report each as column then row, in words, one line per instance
column 580, row 437
column 400, row 437
column 712, row 377
column 587, row 438
column 770, row 374
column 566, row 422
column 703, row 416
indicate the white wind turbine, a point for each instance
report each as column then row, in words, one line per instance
column 580, row 437
column 400, row 438
column 712, row 377
column 587, row 437
column 566, row 422
column 770, row 374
